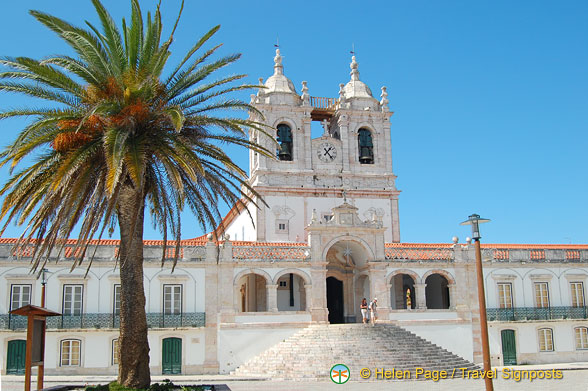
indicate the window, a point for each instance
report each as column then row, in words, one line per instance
column 20, row 296
column 70, row 353
column 284, row 134
column 116, row 303
column 541, row 295
column 282, row 226
column 284, row 284
column 545, row 340
column 505, row 295
column 327, row 217
column 366, row 146
column 115, row 351
column 577, row 294
column 72, row 299
column 172, row 299
column 581, row 337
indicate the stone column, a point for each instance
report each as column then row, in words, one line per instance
column 421, row 298
column 307, row 296
column 318, row 297
column 452, row 296
column 378, row 290
column 272, row 297
column 343, row 123
column 225, row 282
column 389, row 290
column 348, row 298
column 211, row 305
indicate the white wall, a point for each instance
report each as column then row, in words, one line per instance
column 303, row 207
column 236, row 346
column 456, row 338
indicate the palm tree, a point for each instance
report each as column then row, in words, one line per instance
column 118, row 137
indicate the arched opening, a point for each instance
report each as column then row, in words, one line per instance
column 284, row 138
column 252, row 293
column 366, row 146
column 291, row 293
column 437, row 292
column 402, row 293
column 347, row 281
column 335, row 302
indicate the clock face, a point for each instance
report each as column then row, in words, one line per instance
column 326, row 152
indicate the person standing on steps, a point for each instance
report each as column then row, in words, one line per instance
column 374, row 310
column 364, row 310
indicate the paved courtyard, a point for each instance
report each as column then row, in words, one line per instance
column 573, row 380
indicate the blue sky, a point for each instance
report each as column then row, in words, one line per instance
column 490, row 97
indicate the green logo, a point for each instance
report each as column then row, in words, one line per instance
column 340, row 373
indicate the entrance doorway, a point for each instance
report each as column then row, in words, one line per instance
column 335, row 300
column 15, row 362
column 171, row 359
column 509, row 347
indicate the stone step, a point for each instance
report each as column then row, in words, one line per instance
column 310, row 353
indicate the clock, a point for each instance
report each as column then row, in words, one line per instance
column 326, row 152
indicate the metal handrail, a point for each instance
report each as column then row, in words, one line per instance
column 105, row 320
column 534, row 313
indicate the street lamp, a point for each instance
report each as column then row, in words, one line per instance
column 43, row 283
column 475, row 220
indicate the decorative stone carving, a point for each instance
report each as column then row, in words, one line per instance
column 305, row 97
column 384, row 101
column 283, row 212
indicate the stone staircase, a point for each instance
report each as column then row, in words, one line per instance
column 310, row 353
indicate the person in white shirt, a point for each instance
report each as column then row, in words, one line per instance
column 374, row 310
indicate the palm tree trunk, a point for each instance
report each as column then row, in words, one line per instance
column 133, row 367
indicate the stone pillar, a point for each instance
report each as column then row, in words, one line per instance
column 225, row 281
column 349, row 311
column 343, row 123
column 421, row 298
column 272, row 297
column 318, row 297
column 307, row 296
column 211, row 306
column 389, row 289
column 395, row 219
column 378, row 289
column 452, row 296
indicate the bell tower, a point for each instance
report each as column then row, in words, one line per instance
column 351, row 160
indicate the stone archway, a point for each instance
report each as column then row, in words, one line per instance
column 402, row 290
column 347, row 260
column 437, row 292
column 251, row 292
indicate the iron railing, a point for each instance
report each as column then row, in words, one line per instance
column 105, row 321
column 532, row 313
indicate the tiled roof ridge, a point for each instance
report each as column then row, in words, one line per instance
column 494, row 245
column 268, row 244
column 200, row 240
column 116, row 242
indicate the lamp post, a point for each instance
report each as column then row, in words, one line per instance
column 43, row 283
column 41, row 367
column 475, row 220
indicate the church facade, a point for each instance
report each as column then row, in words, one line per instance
column 327, row 236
